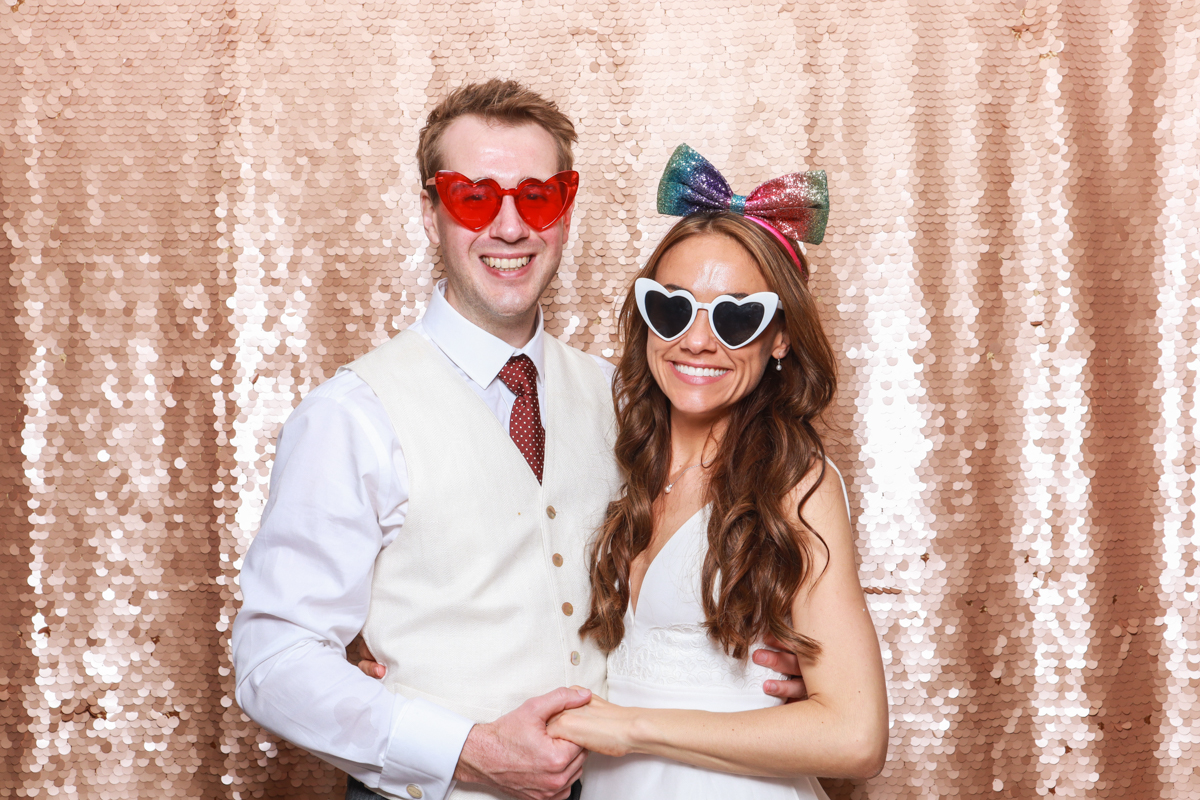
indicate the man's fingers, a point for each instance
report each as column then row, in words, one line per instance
column 357, row 652
column 566, row 790
column 574, row 772
column 780, row 661
column 785, row 663
column 558, row 701
column 353, row 651
column 372, row 669
column 788, row 690
column 575, row 768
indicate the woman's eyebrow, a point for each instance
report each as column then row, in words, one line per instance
column 674, row 287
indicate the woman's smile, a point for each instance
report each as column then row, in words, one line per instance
column 698, row 374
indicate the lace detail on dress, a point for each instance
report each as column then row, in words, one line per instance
column 684, row 656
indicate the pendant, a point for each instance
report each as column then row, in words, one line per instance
column 668, row 489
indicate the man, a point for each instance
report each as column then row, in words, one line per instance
column 400, row 507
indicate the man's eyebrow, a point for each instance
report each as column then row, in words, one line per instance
column 518, row 183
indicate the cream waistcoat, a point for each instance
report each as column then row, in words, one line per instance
column 468, row 608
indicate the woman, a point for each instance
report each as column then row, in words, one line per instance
column 732, row 528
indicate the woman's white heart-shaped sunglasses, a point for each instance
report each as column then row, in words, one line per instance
column 736, row 323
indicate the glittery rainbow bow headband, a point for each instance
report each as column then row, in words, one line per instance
column 795, row 204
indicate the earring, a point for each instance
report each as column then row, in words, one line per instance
column 778, row 364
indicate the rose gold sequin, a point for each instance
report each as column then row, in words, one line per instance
column 209, row 206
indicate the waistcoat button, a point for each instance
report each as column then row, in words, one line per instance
column 557, row 559
column 568, row 609
column 550, row 512
column 414, row 791
column 575, row 658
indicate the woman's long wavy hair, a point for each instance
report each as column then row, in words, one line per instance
column 757, row 560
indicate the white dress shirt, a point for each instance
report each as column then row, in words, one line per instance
column 339, row 495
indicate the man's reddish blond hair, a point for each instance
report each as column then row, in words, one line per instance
column 505, row 102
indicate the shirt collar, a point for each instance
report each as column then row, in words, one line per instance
column 475, row 351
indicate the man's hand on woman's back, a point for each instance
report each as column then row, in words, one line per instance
column 783, row 662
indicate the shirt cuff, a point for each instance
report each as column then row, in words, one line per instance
column 423, row 751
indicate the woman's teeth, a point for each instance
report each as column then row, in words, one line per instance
column 506, row 264
column 700, row 372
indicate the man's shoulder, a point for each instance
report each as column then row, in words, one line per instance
column 338, row 414
column 586, row 359
column 344, row 384
column 407, row 350
column 343, row 394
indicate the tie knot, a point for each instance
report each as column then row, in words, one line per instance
column 520, row 376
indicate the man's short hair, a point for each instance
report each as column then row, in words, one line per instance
column 505, row 102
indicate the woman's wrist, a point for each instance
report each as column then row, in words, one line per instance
column 643, row 734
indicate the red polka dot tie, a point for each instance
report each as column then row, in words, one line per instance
column 525, row 422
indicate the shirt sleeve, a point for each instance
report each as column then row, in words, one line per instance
column 339, row 492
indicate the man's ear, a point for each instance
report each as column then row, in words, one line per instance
column 429, row 217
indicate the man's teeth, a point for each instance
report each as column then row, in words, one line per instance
column 700, row 372
column 506, row 263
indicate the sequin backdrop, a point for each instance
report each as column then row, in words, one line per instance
column 210, row 206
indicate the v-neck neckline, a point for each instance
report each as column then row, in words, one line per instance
column 633, row 603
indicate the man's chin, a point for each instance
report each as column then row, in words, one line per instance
column 513, row 307
column 498, row 296
column 513, row 294
column 492, row 304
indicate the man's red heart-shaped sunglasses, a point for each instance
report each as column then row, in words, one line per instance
column 474, row 204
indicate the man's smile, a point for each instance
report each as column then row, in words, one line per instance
column 506, row 264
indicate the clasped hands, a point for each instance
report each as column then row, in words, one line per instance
column 536, row 751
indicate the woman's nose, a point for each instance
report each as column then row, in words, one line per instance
column 699, row 338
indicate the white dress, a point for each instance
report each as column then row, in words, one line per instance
column 666, row 660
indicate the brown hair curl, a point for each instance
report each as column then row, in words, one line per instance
column 756, row 561
column 505, row 102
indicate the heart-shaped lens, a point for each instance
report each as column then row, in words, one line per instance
column 540, row 204
column 472, row 204
column 734, row 323
column 668, row 316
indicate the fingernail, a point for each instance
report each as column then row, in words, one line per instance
column 770, row 686
column 583, row 693
column 760, row 657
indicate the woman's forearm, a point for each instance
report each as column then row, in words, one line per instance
column 805, row 738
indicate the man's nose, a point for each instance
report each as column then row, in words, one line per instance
column 508, row 225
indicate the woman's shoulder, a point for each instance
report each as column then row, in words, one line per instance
column 825, row 512
column 830, row 486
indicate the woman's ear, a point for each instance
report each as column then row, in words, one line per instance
column 782, row 343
